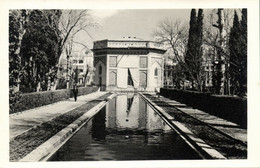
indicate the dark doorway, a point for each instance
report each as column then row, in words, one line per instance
column 129, row 79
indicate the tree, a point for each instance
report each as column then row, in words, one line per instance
column 199, row 34
column 37, row 39
column 188, row 54
column 193, row 57
column 191, row 50
column 243, row 84
column 174, row 36
column 27, row 31
column 73, row 22
column 18, row 20
column 218, row 63
column 39, row 48
column 238, row 54
column 216, row 37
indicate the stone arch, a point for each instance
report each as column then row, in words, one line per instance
column 157, row 75
column 155, row 71
column 100, row 69
column 100, row 73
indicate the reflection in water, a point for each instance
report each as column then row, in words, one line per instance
column 126, row 129
column 129, row 103
column 99, row 125
column 131, row 112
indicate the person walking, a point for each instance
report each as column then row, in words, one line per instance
column 75, row 92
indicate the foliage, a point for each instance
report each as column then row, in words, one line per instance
column 186, row 48
column 174, row 36
column 62, row 83
column 227, row 107
column 178, row 77
column 191, row 47
column 193, row 57
column 37, row 39
column 17, row 27
column 39, row 47
column 14, row 99
column 218, row 63
column 238, row 54
column 72, row 24
column 32, row 44
column 31, row 100
column 20, row 102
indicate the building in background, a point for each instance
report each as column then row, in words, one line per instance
column 207, row 64
column 169, row 69
column 83, row 62
column 128, row 64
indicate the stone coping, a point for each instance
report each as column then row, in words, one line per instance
column 200, row 146
column 47, row 149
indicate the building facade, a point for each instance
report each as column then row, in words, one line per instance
column 128, row 64
column 83, row 61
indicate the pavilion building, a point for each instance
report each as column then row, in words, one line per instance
column 129, row 64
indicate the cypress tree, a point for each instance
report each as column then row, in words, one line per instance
column 199, row 53
column 243, row 85
column 237, row 57
column 244, row 21
column 191, row 51
column 194, row 53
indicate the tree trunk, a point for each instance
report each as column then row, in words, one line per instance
column 17, row 52
column 220, row 76
column 38, row 89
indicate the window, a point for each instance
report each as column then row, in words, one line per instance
column 74, row 61
column 80, row 70
column 143, row 78
column 143, row 62
column 81, row 61
column 112, row 78
column 156, row 72
column 112, row 61
column 100, row 70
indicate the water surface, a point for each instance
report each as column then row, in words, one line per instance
column 127, row 128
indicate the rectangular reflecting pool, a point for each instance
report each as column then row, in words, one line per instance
column 127, row 128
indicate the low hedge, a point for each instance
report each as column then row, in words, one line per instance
column 84, row 90
column 230, row 108
column 36, row 99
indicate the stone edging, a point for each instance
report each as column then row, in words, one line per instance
column 192, row 140
column 48, row 148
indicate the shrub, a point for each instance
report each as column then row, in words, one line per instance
column 84, row 90
column 20, row 102
column 14, row 99
column 227, row 107
column 37, row 99
column 62, row 84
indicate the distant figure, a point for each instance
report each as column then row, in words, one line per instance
column 75, row 92
column 157, row 92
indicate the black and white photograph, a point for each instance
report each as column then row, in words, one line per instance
column 132, row 84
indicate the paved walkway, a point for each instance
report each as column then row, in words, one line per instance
column 23, row 121
column 225, row 126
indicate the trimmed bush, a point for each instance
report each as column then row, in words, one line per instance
column 230, row 108
column 36, row 99
column 21, row 102
column 84, row 90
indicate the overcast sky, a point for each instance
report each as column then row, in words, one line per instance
column 115, row 24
